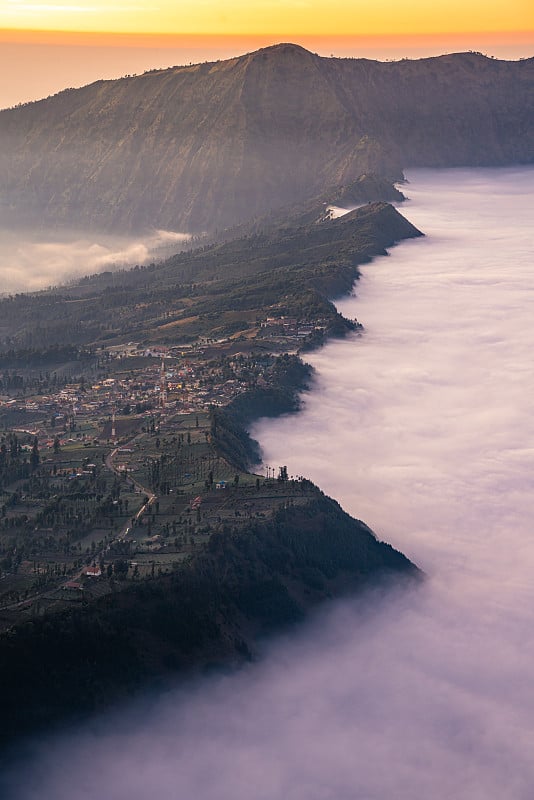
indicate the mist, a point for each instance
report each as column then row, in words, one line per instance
column 423, row 428
column 31, row 260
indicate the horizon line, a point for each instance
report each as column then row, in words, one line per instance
column 128, row 37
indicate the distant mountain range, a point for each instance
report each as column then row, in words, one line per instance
column 203, row 147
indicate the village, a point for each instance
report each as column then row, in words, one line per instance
column 130, row 377
column 112, row 475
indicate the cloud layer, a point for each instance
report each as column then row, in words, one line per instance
column 30, row 261
column 424, row 429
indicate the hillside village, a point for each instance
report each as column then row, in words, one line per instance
column 113, row 475
column 124, row 456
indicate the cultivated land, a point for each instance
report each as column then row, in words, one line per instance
column 87, row 520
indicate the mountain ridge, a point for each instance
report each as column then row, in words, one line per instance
column 209, row 145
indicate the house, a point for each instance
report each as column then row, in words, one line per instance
column 73, row 586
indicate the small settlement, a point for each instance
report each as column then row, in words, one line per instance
column 109, row 472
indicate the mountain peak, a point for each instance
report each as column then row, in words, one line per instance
column 283, row 51
column 285, row 48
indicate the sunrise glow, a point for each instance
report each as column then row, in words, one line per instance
column 306, row 17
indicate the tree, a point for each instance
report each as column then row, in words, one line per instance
column 35, row 457
column 120, row 568
column 57, row 445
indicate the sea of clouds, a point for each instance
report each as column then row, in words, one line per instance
column 33, row 260
column 424, row 428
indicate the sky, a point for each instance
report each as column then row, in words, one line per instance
column 49, row 46
column 313, row 17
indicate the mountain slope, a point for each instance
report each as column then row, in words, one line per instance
column 205, row 146
column 286, row 268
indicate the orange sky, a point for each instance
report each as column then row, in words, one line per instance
column 280, row 17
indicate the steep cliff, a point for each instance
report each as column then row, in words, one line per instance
column 205, row 146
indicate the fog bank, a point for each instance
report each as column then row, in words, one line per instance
column 30, row 261
column 423, row 428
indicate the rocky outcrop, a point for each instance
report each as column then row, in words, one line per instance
column 366, row 189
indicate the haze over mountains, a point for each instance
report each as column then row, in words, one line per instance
column 207, row 146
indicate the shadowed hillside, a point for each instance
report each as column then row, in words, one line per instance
column 203, row 147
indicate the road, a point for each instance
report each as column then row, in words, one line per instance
column 139, row 487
